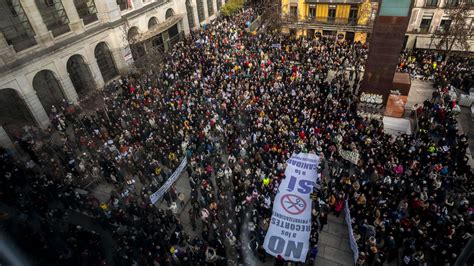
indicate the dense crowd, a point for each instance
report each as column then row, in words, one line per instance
column 431, row 65
column 236, row 106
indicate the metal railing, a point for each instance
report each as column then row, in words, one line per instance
column 424, row 29
column 326, row 20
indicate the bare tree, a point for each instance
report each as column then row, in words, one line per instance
column 144, row 61
column 456, row 33
column 271, row 14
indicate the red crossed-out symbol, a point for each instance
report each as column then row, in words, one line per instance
column 293, row 204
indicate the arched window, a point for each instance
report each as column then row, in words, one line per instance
column 201, row 13
column 210, row 7
column 189, row 11
column 106, row 63
column 80, row 75
column 132, row 34
column 169, row 13
column 48, row 89
column 138, row 49
column 152, row 22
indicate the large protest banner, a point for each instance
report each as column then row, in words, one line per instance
column 352, row 241
column 162, row 190
column 290, row 226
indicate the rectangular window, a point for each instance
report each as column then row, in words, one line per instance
column 312, row 11
column 124, row 4
column 426, row 23
column 86, row 10
column 353, row 13
column 332, row 13
column 431, row 3
column 15, row 25
column 293, row 12
column 54, row 16
column 444, row 25
column 452, row 3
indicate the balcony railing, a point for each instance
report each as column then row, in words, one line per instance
column 424, row 29
column 89, row 18
column 327, row 21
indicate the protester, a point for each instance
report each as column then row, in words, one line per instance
column 237, row 106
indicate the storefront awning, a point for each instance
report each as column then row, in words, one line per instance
column 159, row 28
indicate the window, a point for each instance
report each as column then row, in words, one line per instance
column 86, row 10
column 54, row 16
column 293, row 12
column 15, row 26
column 124, row 4
column 49, row 3
column 312, row 11
column 189, row 11
column 169, row 13
column 200, row 8
column 426, row 23
column 444, row 25
column 210, row 7
column 452, row 3
column 431, row 3
column 353, row 13
column 332, row 13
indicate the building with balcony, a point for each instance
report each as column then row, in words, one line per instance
column 52, row 50
column 429, row 16
column 339, row 19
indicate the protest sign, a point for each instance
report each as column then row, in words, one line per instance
column 162, row 190
column 351, row 156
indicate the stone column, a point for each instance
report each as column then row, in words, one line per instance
column 5, row 140
column 7, row 52
column 75, row 22
column 108, row 10
column 96, row 74
column 37, row 110
column 206, row 12
column 196, row 15
column 68, row 88
column 43, row 35
column 214, row 3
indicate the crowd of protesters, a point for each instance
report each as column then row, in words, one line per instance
column 431, row 65
column 237, row 106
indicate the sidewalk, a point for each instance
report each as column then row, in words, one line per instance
column 334, row 247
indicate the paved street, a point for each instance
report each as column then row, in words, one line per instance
column 334, row 247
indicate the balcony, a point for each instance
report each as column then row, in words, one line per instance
column 334, row 1
column 424, row 29
column 325, row 21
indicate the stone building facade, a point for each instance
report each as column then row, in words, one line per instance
column 428, row 16
column 52, row 50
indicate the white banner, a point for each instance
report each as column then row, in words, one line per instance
column 290, row 226
column 162, row 190
column 351, row 156
column 353, row 242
